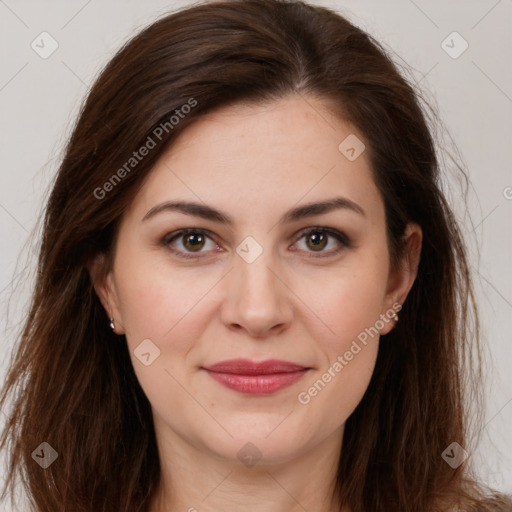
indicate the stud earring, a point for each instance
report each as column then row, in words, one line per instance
column 112, row 325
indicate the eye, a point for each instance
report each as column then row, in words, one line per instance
column 317, row 239
column 190, row 242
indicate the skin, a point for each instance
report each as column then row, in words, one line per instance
column 254, row 163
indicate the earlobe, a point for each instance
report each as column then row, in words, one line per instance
column 103, row 283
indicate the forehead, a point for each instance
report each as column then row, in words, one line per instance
column 261, row 155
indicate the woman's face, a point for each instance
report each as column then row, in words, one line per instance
column 254, row 281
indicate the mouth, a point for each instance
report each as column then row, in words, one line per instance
column 261, row 378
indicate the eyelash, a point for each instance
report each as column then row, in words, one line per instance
column 340, row 237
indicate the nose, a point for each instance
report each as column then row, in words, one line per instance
column 257, row 299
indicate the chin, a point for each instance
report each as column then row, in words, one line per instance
column 250, row 446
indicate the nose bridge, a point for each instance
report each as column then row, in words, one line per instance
column 257, row 298
column 255, row 281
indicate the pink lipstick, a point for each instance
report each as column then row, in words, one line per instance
column 261, row 378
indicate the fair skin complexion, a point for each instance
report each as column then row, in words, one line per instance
column 298, row 301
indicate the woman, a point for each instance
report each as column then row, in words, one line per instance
column 252, row 294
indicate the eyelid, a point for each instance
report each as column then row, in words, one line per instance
column 169, row 237
column 341, row 237
column 330, row 231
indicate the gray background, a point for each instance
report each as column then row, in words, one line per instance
column 39, row 100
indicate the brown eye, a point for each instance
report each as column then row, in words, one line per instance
column 193, row 242
column 190, row 242
column 318, row 241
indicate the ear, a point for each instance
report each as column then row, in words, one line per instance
column 402, row 278
column 102, row 279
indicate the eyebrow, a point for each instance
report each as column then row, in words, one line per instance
column 298, row 213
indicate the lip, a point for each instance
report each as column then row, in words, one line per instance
column 250, row 377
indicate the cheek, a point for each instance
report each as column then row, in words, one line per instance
column 156, row 300
column 332, row 395
column 350, row 309
column 349, row 306
column 348, row 303
column 168, row 310
column 172, row 308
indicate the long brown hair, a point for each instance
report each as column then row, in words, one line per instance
column 72, row 382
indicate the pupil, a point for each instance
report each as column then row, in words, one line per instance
column 318, row 240
column 197, row 240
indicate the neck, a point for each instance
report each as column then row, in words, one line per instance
column 195, row 480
